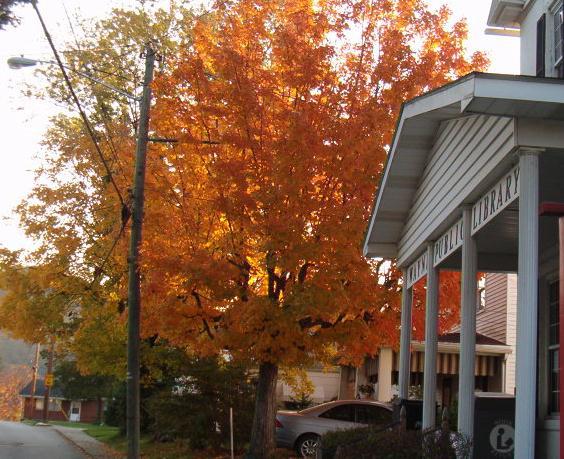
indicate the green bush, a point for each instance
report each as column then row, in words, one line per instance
column 116, row 410
column 196, row 406
column 372, row 443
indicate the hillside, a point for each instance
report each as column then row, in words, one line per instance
column 15, row 352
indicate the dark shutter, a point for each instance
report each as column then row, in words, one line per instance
column 541, row 45
column 560, row 65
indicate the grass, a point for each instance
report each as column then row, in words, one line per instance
column 178, row 449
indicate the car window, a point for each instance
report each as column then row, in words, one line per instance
column 339, row 413
column 369, row 414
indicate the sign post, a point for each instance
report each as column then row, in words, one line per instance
column 556, row 209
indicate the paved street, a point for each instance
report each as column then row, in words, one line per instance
column 20, row 441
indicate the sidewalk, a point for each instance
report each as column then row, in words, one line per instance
column 91, row 447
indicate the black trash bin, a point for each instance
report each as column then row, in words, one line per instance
column 494, row 425
column 413, row 410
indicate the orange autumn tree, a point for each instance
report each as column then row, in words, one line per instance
column 12, row 381
column 283, row 113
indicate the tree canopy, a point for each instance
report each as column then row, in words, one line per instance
column 283, row 114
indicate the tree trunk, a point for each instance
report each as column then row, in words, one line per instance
column 263, row 441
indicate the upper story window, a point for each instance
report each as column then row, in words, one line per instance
column 558, row 21
column 541, row 46
column 481, row 297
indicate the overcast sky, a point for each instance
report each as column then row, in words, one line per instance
column 23, row 120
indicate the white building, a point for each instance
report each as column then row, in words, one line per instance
column 469, row 165
column 494, row 368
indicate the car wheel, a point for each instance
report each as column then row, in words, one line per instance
column 307, row 445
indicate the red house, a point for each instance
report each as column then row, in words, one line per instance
column 60, row 407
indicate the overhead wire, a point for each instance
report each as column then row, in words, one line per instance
column 77, row 103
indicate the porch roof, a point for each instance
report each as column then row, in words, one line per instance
column 450, row 343
column 418, row 125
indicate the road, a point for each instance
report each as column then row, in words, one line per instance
column 20, row 441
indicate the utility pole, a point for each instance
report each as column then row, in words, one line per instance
column 34, row 377
column 48, row 381
column 134, row 290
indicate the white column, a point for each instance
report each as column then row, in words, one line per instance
column 468, row 304
column 527, row 291
column 431, row 325
column 405, row 338
column 385, row 368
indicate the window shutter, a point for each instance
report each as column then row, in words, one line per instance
column 541, row 45
column 560, row 66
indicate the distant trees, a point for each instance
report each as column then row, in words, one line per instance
column 12, row 380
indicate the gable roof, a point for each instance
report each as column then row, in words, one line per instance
column 56, row 392
column 417, row 127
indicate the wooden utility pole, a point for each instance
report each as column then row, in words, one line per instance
column 48, row 381
column 35, row 368
column 556, row 209
column 134, row 289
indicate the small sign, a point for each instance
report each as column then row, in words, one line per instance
column 494, row 201
column 49, row 380
column 502, row 440
column 417, row 270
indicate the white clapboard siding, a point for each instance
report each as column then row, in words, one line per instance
column 465, row 150
column 492, row 319
column 511, row 333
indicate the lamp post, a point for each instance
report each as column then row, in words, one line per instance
column 138, row 198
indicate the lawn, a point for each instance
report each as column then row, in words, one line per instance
column 178, row 449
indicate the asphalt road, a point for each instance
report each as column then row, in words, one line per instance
column 20, row 441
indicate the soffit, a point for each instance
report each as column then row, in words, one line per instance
column 419, row 124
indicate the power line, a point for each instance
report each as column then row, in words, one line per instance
column 77, row 103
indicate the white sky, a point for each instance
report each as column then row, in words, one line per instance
column 24, row 119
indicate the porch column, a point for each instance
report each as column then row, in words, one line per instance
column 385, row 368
column 405, row 338
column 527, row 291
column 468, row 304
column 431, row 325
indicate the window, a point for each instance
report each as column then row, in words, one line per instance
column 340, row 413
column 541, row 45
column 481, row 292
column 54, row 404
column 557, row 37
column 553, row 348
column 367, row 414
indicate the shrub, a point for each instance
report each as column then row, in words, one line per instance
column 116, row 411
column 196, row 406
column 372, row 443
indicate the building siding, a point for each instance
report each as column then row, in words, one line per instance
column 491, row 320
column 464, row 149
column 511, row 332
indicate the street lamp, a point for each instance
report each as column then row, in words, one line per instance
column 21, row 62
column 138, row 198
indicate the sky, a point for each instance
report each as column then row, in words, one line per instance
column 24, row 119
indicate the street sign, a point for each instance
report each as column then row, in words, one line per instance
column 49, row 380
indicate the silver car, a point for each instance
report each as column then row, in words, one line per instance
column 301, row 430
